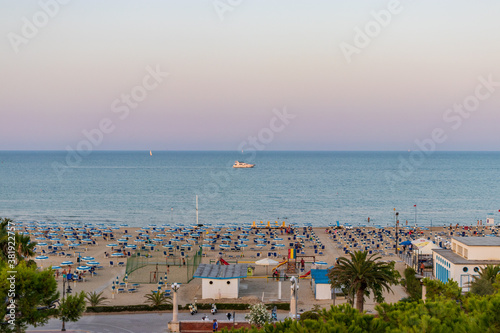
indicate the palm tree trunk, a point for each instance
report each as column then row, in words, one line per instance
column 360, row 293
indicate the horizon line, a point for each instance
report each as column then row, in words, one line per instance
column 256, row 151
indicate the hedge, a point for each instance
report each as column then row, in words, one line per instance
column 164, row 307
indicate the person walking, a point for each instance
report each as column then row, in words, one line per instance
column 215, row 326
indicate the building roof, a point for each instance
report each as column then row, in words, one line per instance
column 221, row 272
column 458, row 260
column 479, row 241
column 320, row 276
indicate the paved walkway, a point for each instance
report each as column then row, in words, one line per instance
column 130, row 323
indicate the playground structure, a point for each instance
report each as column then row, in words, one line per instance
column 305, row 275
column 292, row 263
column 222, row 262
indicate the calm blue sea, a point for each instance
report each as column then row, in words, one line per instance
column 299, row 187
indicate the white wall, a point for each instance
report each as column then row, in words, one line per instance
column 323, row 291
column 476, row 252
column 483, row 252
column 457, row 273
column 219, row 288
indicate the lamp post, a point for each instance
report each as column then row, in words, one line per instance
column 63, row 297
column 415, row 215
column 293, row 299
column 173, row 326
column 397, row 223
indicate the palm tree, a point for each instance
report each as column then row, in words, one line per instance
column 23, row 247
column 483, row 283
column 159, row 298
column 361, row 274
column 95, row 299
column 4, row 238
column 489, row 272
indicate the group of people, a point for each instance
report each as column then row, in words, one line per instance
column 71, row 276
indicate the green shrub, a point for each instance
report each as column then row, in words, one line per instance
column 412, row 284
column 310, row 315
column 128, row 308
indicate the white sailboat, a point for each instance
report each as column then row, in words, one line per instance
column 150, row 153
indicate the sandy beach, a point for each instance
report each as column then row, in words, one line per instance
column 316, row 244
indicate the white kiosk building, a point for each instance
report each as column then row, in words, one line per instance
column 220, row 281
column 466, row 257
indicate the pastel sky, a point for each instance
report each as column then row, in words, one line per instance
column 227, row 75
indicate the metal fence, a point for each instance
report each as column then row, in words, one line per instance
column 141, row 269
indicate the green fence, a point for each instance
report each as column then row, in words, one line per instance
column 147, row 269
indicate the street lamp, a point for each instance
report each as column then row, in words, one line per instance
column 397, row 223
column 293, row 299
column 64, row 294
column 175, row 288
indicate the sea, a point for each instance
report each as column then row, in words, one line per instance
column 300, row 188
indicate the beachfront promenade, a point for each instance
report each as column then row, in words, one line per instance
column 131, row 323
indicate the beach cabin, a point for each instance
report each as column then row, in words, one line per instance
column 220, row 281
column 321, row 284
column 466, row 257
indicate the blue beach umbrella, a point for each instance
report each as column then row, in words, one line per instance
column 83, row 268
column 41, row 258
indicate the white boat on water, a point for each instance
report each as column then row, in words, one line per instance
column 239, row 164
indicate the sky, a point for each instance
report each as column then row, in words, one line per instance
column 233, row 74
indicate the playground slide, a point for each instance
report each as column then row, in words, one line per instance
column 223, row 262
column 281, row 264
column 308, row 273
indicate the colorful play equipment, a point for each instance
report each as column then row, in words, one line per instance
column 307, row 274
column 222, row 262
